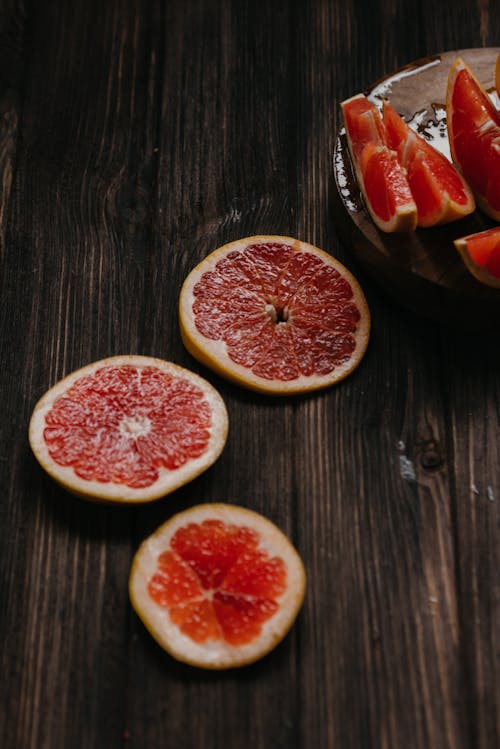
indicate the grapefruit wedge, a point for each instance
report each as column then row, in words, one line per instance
column 217, row 586
column 440, row 192
column 474, row 135
column 275, row 315
column 381, row 178
column 481, row 254
column 128, row 429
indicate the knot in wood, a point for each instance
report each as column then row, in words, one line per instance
column 431, row 457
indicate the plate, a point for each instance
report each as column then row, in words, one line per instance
column 421, row 270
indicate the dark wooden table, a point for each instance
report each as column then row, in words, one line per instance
column 135, row 137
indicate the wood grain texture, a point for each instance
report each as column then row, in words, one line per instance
column 136, row 138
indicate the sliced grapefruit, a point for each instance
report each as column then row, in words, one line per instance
column 275, row 315
column 128, row 429
column 439, row 190
column 381, row 178
column 474, row 135
column 481, row 254
column 217, row 586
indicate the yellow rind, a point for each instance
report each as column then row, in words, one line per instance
column 199, row 347
column 239, row 516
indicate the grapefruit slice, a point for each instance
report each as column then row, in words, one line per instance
column 481, row 254
column 381, row 178
column 440, row 192
column 275, row 315
column 474, row 135
column 128, row 429
column 217, row 586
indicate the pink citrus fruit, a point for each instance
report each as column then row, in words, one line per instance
column 217, row 586
column 275, row 315
column 128, row 429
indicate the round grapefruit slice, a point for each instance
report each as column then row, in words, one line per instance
column 481, row 254
column 474, row 135
column 381, row 178
column 440, row 192
column 217, row 586
column 128, row 429
column 275, row 315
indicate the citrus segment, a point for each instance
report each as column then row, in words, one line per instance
column 274, row 314
column 440, row 192
column 128, row 428
column 481, row 254
column 217, row 586
column 474, row 135
column 381, row 178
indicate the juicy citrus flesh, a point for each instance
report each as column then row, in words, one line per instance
column 481, row 254
column 474, row 135
column 440, row 192
column 128, row 428
column 497, row 75
column 274, row 314
column 217, row 586
column 381, row 178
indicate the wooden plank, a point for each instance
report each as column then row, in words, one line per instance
column 474, row 397
column 75, row 280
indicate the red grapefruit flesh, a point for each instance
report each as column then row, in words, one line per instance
column 474, row 135
column 217, row 586
column 275, row 315
column 497, row 75
column 381, row 178
column 481, row 254
column 439, row 190
column 128, row 429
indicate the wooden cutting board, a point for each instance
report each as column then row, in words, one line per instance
column 420, row 269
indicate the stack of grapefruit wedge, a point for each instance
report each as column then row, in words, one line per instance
column 474, row 135
column 404, row 181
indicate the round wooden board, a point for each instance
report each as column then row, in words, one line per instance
column 420, row 269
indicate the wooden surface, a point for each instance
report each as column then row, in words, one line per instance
column 135, row 137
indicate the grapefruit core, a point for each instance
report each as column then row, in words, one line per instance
column 381, row 178
column 128, row 429
column 481, row 254
column 217, row 586
column 474, row 135
column 440, row 192
column 275, row 315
